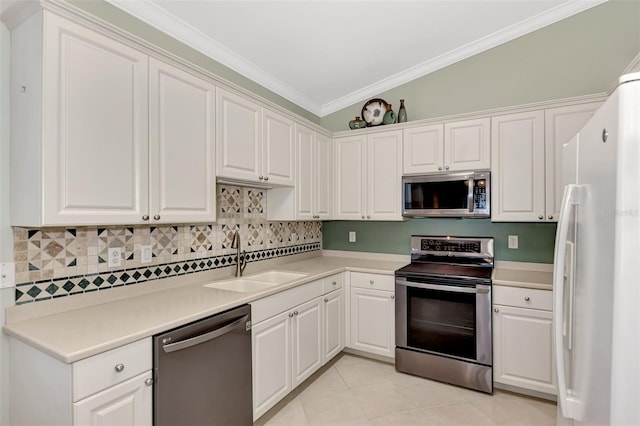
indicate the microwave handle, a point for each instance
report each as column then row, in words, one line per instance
column 470, row 202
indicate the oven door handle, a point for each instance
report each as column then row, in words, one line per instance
column 482, row 289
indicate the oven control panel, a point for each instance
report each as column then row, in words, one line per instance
column 452, row 246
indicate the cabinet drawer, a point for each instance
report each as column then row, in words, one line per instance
column 373, row 281
column 269, row 306
column 331, row 283
column 523, row 297
column 99, row 372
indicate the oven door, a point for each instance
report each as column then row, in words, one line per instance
column 445, row 316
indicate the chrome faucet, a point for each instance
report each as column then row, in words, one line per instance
column 241, row 256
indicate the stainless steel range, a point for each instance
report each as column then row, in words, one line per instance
column 443, row 311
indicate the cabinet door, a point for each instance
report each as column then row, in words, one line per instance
column 271, row 345
column 350, row 177
column 333, row 318
column 128, row 403
column 181, row 146
column 561, row 125
column 467, row 145
column 422, row 149
column 522, row 348
column 384, row 175
column 324, row 177
column 373, row 321
column 307, row 340
column 95, row 147
column 517, row 181
column 305, row 176
column 278, row 150
column 238, row 137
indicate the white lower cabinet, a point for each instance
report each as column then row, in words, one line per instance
column 128, row 403
column 522, row 339
column 111, row 388
column 372, row 314
column 290, row 332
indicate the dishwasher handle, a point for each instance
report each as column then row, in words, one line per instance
column 187, row 343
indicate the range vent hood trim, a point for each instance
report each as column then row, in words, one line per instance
column 243, row 183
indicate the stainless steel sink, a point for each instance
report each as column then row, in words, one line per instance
column 257, row 282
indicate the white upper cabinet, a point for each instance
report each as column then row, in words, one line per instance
column 101, row 129
column 182, row 145
column 517, row 181
column 467, row 145
column 561, row 125
column 313, row 175
column 324, row 177
column 368, row 172
column 462, row 145
column 253, row 144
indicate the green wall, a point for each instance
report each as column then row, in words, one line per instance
column 535, row 239
column 581, row 55
column 117, row 17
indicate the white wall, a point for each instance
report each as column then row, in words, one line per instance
column 6, row 236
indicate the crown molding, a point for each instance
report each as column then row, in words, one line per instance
column 152, row 14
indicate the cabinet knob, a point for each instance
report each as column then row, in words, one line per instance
column 326, row 299
column 393, row 296
column 363, row 216
column 290, row 314
column 446, row 167
column 496, row 310
column 260, row 177
column 23, row 89
column 119, row 368
column 295, row 312
column 266, row 178
column 550, row 217
column 156, row 217
column 334, row 283
column 439, row 167
column 145, row 217
column 527, row 298
column 368, row 217
column 148, row 382
column 540, row 217
column 371, row 282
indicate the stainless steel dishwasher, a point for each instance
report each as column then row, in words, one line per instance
column 202, row 372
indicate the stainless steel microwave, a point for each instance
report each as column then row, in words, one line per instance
column 463, row 194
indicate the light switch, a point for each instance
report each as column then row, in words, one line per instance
column 146, row 255
column 513, row 241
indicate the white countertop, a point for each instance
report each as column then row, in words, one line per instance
column 521, row 274
column 78, row 333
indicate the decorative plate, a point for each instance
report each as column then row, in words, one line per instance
column 373, row 111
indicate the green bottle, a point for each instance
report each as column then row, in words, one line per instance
column 389, row 116
column 402, row 112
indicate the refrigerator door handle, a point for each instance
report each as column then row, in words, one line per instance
column 568, row 201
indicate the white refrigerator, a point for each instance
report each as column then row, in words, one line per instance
column 597, row 267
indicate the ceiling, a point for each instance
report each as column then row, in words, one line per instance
column 325, row 55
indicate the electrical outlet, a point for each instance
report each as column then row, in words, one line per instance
column 513, row 241
column 115, row 256
column 352, row 236
column 294, row 236
column 7, row 275
column 146, row 254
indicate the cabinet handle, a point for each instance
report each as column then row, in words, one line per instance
column 540, row 217
column 446, row 167
column 148, row 382
column 156, row 217
column 326, row 299
column 496, row 310
column 119, row 368
column 393, row 296
column 550, row 217
column 145, row 217
column 439, row 167
column 260, row 177
column 266, row 178
column 527, row 298
column 290, row 314
column 295, row 312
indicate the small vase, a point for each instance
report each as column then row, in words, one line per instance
column 402, row 112
column 357, row 124
column 389, row 116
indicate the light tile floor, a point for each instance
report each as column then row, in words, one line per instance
column 358, row 391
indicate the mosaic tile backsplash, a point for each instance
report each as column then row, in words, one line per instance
column 58, row 262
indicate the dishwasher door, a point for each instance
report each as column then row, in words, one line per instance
column 203, row 372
